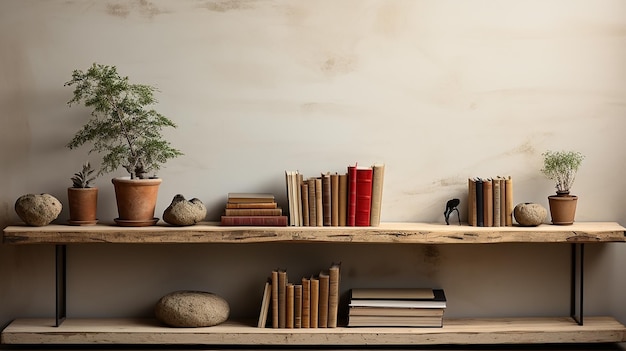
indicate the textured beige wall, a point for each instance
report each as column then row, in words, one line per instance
column 437, row 90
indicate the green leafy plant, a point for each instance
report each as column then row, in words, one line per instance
column 562, row 166
column 122, row 126
column 83, row 178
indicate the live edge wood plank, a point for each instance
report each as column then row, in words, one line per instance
column 424, row 233
column 455, row 331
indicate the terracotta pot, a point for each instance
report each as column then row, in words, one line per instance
column 563, row 208
column 136, row 201
column 83, row 204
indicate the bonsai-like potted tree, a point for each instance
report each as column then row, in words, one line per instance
column 128, row 133
column 561, row 167
column 83, row 197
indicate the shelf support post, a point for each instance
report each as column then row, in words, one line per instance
column 61, row 283
column 577, row 282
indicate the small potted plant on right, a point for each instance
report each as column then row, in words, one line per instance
column 562, row 166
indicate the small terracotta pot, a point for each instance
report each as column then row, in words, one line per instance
column 563, row 208
column 136, row 201
column 83, row 204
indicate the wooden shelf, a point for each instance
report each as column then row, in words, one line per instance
column 455, row 331
column 415, row 233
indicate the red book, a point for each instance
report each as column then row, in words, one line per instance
column 261, row 221
column 351, row 218
column 363, row 196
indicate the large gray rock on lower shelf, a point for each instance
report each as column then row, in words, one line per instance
column 188, row 308
column 38, row 210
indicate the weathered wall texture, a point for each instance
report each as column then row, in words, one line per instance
column 437, row 90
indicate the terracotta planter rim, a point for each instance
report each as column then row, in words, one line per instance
column 127, row 180
column 563, row 197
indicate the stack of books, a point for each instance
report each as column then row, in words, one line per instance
column 309, row 303
column 353, row 198
column 490, row 202
column 402, row 307
column 252, row 209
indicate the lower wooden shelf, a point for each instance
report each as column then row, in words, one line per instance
column 455, row 331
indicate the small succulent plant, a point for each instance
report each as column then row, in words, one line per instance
column 83, row 178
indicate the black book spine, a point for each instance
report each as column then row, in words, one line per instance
column 479, row 203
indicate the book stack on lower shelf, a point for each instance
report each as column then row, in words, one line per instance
column 396, row 308
column 252, row 209
column 310, row 303
column 352, row 199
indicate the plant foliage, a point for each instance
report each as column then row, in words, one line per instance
column 83, row 178
column 561, row 166
column 122, row 127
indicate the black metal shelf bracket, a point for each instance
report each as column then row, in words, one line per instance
column 577, row 282
column 61, row 283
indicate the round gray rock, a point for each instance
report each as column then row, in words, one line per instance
column 188, row 308
column 530, row 214
column 38, row 210
column 182, row 212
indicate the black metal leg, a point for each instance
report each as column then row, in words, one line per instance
column 61, row 283
column 577, row 282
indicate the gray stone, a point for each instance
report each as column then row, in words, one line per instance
column 187, row 308
column 530, row 214
column 38, row 210
column 182, row 212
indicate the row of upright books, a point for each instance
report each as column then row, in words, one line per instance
column 353, row 198
column 490, row 202
column 252, row 209
column 312, row 302
column 404, row 307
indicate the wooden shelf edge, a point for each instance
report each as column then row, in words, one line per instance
column 455, row 331
column 392, row 233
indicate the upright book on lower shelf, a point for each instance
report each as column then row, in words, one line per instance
column 396, row 308
column 310, row 302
